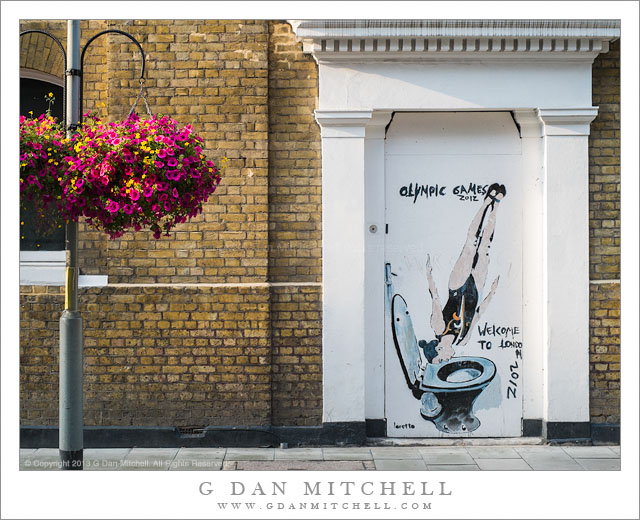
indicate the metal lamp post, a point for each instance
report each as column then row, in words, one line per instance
column 71, row 444
column 71, row 341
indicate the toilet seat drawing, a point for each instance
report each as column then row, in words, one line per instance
column 448, row 390
column 443, row 377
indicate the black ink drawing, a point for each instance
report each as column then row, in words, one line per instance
column 446, row 384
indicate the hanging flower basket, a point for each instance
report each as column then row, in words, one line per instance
column 43, row 152
column 120, row 176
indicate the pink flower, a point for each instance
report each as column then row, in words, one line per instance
column 172, row 162
column 134, row 195
column 112, row 206
column 147, row 192
column 128, row 209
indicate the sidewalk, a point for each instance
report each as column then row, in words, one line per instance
column 493, row 457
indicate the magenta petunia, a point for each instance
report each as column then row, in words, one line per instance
column 107, row 174
column 112, row 206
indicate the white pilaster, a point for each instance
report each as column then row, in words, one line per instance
column 566, row 263
column 374, row 264
column 531, row 135
column 343, row 259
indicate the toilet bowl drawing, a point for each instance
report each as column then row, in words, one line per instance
column 448, row 390
column 451, row 388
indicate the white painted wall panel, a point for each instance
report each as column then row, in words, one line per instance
column 459, row 151
column 472, row 85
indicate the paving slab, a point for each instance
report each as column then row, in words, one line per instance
column 461, row 457
column 298, row 454
column 149, row 459
column 503, row 464
column 540, row 449
column 395, row 453
column 442, row 449
column 347, row 454
column 201, row 464
column 299, row 465
column 590, row 452
column 201, row 453
column 548, row 459
column 249, row 454
column 42, row 459
column 599, row 464
column 198, row 459
column 104, row 459
column 27, row 451
column 400, row 465
column 452, row 467
column 493, row 452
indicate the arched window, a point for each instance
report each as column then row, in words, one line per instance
column 38, row 233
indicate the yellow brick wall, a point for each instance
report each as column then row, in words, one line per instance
column 185, row 353
column 604, row 239
column 295, row 193
column 214, row 76
column 154, row 356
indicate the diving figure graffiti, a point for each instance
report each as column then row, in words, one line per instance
column 446, row 384
column 452, row 324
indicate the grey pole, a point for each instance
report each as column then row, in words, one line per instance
column 71, row 427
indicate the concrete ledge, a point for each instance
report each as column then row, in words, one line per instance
column 605, row 433
column 565, row 431
column 531, row 427
column 212, row 436
column 327, row 434
column 376, row 427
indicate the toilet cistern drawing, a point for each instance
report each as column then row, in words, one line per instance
column 447, row 384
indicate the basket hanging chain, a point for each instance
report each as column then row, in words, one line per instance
column 144, row 98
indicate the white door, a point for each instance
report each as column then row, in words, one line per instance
column 453, row 269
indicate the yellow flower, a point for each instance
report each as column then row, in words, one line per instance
column 50, row 94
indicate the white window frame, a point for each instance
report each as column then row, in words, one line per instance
column 47, row 267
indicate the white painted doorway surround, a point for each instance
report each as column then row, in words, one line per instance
column 539, row 71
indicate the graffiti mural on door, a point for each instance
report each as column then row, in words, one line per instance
column 453, row 318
